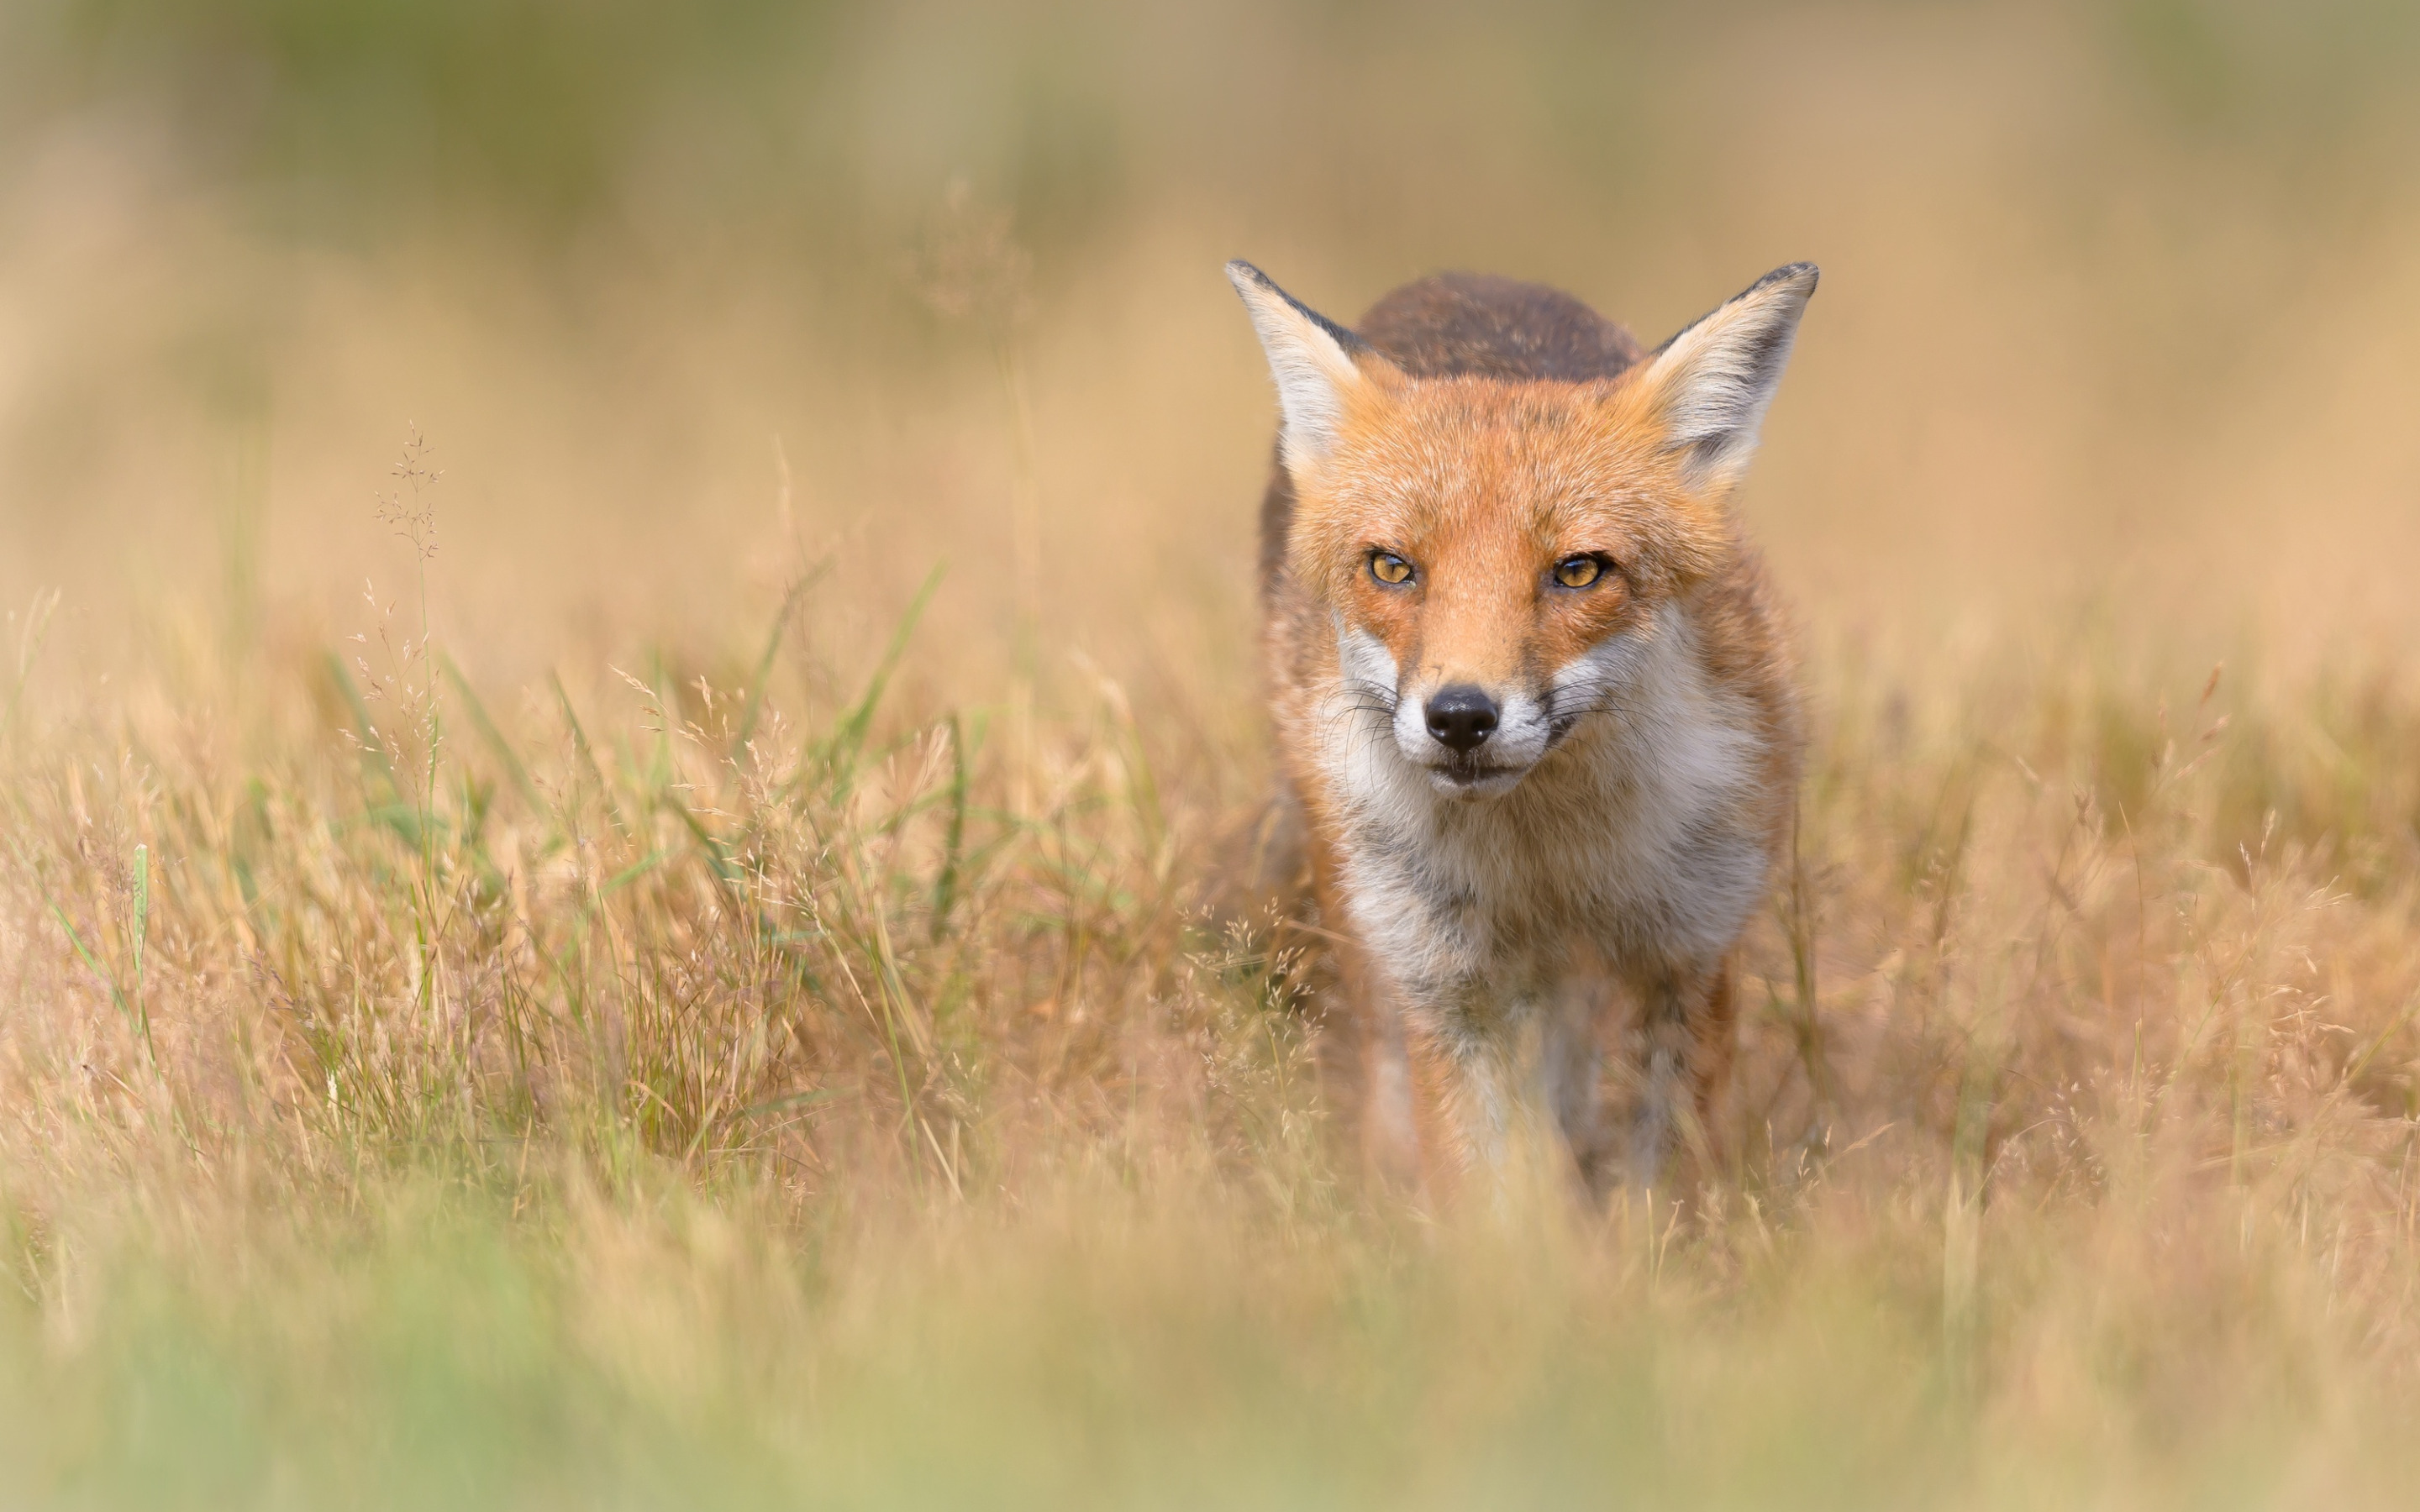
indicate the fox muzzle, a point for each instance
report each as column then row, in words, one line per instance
column 1461, row 717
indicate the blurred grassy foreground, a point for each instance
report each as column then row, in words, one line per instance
column 699, row 984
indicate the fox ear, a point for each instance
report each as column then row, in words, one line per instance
column 1709, row 386
column 1318, row 364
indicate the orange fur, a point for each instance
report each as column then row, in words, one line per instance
column 1507, row 891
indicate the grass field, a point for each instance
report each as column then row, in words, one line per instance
column 717, row 976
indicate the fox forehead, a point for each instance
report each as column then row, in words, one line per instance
column 1502, row 475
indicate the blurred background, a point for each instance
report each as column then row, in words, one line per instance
column 2116, row 336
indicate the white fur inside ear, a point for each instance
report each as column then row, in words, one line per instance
column 1713, row 381
column 1313, row 371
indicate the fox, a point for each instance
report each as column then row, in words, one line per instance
column 1535, row 707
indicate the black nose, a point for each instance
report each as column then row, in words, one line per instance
column 1462, row 717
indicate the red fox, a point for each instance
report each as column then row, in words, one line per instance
column 1533, row 701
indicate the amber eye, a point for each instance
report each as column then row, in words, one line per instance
column 1578, row 572
column 1389, row 568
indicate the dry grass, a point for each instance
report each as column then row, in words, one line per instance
column 758, row 1094
column 710, row 989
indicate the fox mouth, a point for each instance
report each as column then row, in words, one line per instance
column 1463, row 774
column 1467, row 778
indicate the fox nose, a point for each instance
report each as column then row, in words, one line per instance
column 1462, row 718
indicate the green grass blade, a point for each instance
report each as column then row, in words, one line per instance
column 718, row 857
column 587, row 753
column 142, row 910
column 76, row 941
column 505, row 756
column 849, row 737
column 140, row 1024
column 632, row 872
column 398, row 812
column 953, row 844
column 756, row 687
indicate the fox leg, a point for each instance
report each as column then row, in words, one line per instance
column 1571, row 1076
column 1375, row 1059
column 1490, row 1102
column 1390, row 1135
column 1687, row 1058
column 1717, row 1041
column 1441, row 1109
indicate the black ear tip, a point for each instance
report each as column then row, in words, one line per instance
column 1806, row 273
column 1798, row 276
column 1240, row 272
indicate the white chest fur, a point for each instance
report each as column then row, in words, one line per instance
column 1636, row 838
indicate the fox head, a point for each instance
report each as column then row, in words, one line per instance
column 1498, row 555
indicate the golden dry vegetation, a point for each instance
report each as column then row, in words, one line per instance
column 629, row 693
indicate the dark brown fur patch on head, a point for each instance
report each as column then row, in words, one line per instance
column 1479, row 325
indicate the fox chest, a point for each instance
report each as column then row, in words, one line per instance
column 1483, row 907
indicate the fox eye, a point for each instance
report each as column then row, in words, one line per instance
column 1579, row 571
column 1389, row 568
